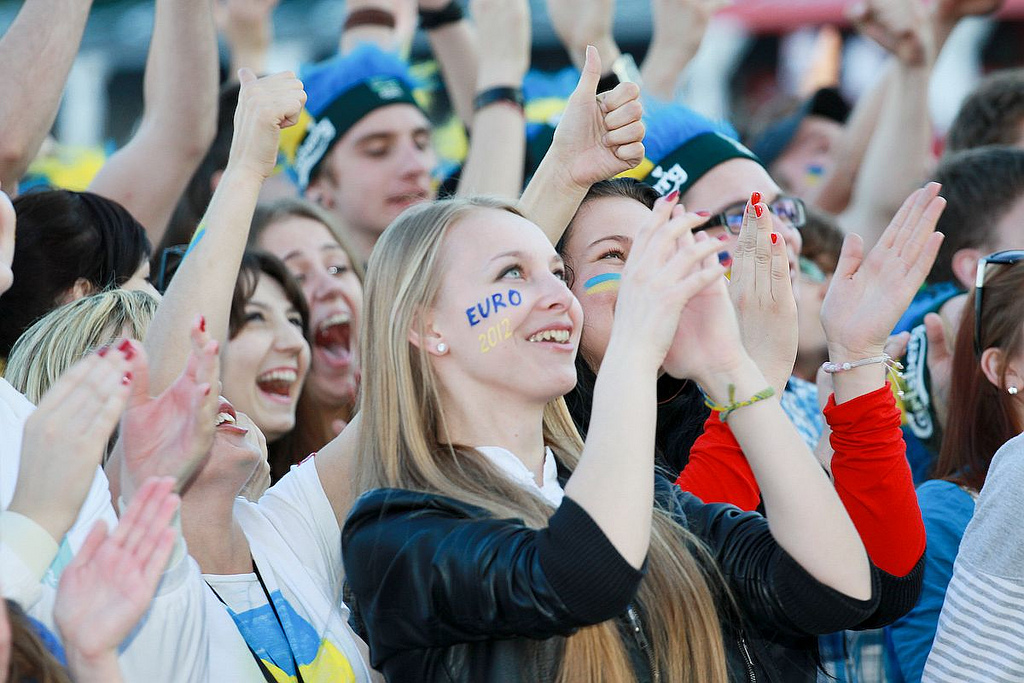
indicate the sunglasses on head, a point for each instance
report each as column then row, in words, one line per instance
column 789, row 209
column 1000, row 258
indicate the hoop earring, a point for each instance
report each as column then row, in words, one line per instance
column 1012, row 391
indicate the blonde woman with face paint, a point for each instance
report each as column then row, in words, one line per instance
column 492, row 545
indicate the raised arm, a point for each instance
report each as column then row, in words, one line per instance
column 456, row 48
column 36, row 52
column 205, row 281
column 179, row 119
column 898, row 157
column 677, row 30
column 497, row 147
column 598, row 137
column 248, row 29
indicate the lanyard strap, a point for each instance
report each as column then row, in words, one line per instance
column 259, row 662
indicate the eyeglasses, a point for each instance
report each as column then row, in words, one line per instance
column 170, row 259
column 789, row 209
column 1000, row 258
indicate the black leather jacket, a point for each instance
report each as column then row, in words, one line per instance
column 445, row 592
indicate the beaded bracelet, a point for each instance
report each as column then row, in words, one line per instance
column 733, row 405
column 892, row 367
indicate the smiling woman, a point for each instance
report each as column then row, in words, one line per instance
column 267, row 353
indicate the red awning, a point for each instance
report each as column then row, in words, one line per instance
column 775, row 16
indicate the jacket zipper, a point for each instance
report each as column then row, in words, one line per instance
column 641, row 639
column 748, row 660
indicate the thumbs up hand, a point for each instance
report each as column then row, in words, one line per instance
column 599, row 136
column 265, row 107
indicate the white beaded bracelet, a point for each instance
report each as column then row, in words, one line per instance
column 892, row 366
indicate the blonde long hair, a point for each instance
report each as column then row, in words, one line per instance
column 401, row 446
column 56, row 341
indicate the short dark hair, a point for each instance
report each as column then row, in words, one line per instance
column 980, row 186
column 254, row 265
column 822, row 239
column 62, row 237
column 992, row 114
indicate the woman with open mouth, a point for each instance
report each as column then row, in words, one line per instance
column 309, row 242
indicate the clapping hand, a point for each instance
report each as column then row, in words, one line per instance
column 899, row 26
column 869, row 293
column 761, row 289
column 66, row 437
column 668, row 268
column 111, row 581
column 171, row 434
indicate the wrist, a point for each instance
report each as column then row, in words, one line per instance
column 624, row 352
column 96, row 667
column 53, row 521
column 740, row 373
column 498, row 76
column 842, row 353
column 242, row 176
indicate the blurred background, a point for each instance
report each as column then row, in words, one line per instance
column 756, row 53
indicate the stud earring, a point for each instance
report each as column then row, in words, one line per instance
column 443, row 348
column 1012, row 391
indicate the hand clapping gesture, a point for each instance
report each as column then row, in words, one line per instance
column 762, row 292
column 171, row 434
column 869, row 293
column 668, row 272
column 111, row 581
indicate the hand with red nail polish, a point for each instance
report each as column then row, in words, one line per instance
column 66, row 438
column 171, row 434
column 762, row 292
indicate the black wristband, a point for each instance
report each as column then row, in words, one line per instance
column 369, row 16
column 502, row 93
column 607, row 83
column 449, row 14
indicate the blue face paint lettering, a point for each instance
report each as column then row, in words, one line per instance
column 484, row 309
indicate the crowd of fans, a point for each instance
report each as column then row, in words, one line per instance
column 294, row 392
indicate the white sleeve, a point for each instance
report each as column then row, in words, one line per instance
column 300, row 512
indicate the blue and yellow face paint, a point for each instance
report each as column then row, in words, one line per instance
column 606, row 282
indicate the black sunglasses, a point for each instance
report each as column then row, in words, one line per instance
column 1000, row 258
column 790, row 209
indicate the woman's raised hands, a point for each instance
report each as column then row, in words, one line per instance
column 667, row 268
column 111, row 581
column 66, row 437
column 761, row 289
column 869, row 293
column 171, row 434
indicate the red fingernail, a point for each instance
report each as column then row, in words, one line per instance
column 755, row 197
column 103, row 350
column 703, row 214
column 202, row 323
column 127, row 379
column 758, row 210
column 672, row 196
column 125, row 347
column 775, row 237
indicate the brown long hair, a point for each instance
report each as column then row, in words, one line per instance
column 30, row 660
column 982, row 416
column 402, row 445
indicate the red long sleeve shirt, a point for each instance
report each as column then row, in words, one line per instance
column 869, row 468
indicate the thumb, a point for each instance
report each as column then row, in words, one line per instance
column 246, row 76
column 590, row 76
column 850, row 257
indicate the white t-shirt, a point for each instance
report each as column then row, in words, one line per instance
column 169, row 643
column 295, row 542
